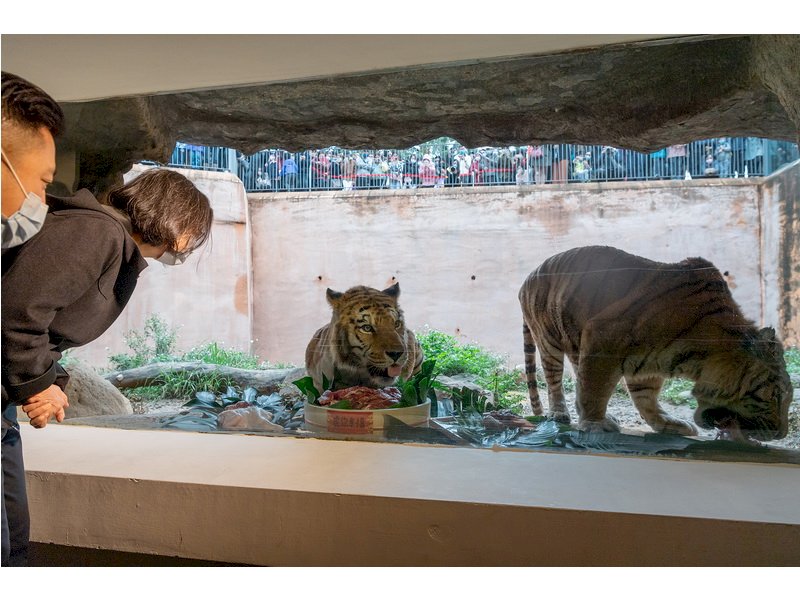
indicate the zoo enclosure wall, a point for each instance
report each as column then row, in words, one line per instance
column 459, row 254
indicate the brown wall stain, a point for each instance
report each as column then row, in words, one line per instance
column 241, row 295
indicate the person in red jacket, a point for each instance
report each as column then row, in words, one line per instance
column 427, row 172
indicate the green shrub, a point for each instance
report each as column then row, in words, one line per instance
column 792, row 357
column 674, row 392
column 156, row 343
column 489, row 369
column 454, row 358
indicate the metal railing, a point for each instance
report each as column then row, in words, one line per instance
column 445, row 163
column 206, row 158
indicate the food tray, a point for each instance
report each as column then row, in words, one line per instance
column 362, row 422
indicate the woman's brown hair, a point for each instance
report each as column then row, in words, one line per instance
column 164, row 206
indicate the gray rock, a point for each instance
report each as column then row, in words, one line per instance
column 89, row 394
column 456, row 382
column 294, row 375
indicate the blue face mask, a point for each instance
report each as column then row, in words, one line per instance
column 27, row 221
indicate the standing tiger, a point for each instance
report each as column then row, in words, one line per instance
column 617, row 315
column 366, row 343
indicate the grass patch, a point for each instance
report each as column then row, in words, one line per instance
column 186, row 385
column 216, row 354
column 147, row 393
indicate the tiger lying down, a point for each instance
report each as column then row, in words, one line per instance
column 366, row 343
column 617, row 315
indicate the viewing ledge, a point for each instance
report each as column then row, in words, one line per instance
column 258, row 500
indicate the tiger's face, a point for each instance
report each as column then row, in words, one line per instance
column 762, row 410
column 370, row 332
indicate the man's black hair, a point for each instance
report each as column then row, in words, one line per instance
column 29, row 106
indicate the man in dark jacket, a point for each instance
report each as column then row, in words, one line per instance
column 31, row 120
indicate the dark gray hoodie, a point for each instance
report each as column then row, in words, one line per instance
column 61, row 289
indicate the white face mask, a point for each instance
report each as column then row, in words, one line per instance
column 27, row 221
column 171, row 259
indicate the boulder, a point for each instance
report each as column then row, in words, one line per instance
column 90, row 394
column 457, row 382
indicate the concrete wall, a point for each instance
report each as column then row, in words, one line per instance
column 207, row 297
column 461, row 255
column 284, row 501
column 780, row 224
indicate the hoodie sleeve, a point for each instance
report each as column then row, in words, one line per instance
column 58, row 266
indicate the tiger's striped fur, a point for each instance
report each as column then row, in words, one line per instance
column 366, row 338
column 616, row 315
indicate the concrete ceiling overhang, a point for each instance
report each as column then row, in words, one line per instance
column 640, row 94
column 77, row 68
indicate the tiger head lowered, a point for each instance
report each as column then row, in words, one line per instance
column 366, row 343
column 754, row 398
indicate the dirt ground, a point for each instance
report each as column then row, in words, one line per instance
column 622, row 408
column 152, row 407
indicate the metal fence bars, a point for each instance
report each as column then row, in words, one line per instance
column 445, row 163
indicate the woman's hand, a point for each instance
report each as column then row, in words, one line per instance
column 45, row 405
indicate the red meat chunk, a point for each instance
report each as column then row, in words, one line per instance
column 362, row 398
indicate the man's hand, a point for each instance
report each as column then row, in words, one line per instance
column 45, row 405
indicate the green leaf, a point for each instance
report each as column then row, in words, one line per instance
column 536, row 418
column 306, row 386
column 203, row 399
column 326, row 384
column 415, row 389
column 342, row 404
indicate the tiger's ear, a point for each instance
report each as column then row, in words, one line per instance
column 766, row 345
column 393, row 291
column 333, row 297
column 767, row 334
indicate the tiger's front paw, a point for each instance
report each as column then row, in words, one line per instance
column 559, row 417
column 676, row 427
column 608, row 424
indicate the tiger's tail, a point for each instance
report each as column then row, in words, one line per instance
column 529, row 347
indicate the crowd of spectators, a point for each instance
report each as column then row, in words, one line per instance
column 448, row 164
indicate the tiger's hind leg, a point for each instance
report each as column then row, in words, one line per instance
column 597, row 373
column 529, row 348
column 644, row 393
column 553, row 367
